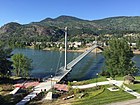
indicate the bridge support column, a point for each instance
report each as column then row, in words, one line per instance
column 65, row 67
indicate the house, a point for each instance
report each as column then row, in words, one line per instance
column 74, row 44
column 77, row 44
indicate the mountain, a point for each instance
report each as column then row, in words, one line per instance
column 122, row 23
column 63, row 21
column 53, row 29
column 108, row 25
column 18, row 31
column 75, row 25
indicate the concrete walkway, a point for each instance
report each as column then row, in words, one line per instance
column 15, row 90
column 92, row 85
column 41, row 87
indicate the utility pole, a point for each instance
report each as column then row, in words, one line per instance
column 66, row 30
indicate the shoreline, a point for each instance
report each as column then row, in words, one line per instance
column 83, row 50
column 78, row 51
column 136, row 52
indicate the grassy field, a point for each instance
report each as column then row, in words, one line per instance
column 122, row 78
column 137, row 77
column 119, row 78
column 103, row 98
column 134, row 87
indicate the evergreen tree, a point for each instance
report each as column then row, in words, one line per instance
column 138, row 44
column 21, row 64
column 118, row 58
column 5, row 63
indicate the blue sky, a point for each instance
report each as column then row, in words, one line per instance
column 26, row 11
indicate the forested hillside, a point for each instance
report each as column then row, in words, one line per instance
column 53, row 29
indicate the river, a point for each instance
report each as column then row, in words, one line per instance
column 45, row 63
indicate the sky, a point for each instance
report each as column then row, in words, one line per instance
column 27, row 11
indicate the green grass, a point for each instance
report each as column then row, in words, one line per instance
column 134, row 87
column 122, row 78
column 103, row 98
column 99, row 79
column 137, row 77
column 119, row 78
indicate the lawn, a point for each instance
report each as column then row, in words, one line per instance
column 119, row 78
column 137, row 77
column 103, row 98
column 134, row 87
column 122, row 78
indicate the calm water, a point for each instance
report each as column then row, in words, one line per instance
column 45, row 63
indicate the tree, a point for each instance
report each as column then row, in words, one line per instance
column 138, row 44
column 118, row 58
column 21, row 64
column 5, row 63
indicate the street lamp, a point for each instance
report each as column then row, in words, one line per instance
column 96, row 78
column 51, row 69
column 51, row 82
column 51, row 88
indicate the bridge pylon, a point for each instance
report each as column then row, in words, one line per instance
column 66, row 32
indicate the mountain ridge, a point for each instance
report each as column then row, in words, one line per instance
column 54, row 27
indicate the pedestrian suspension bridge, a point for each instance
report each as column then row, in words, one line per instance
column 63, row 71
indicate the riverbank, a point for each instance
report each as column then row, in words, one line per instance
column 81, row 50
column 136, row 52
